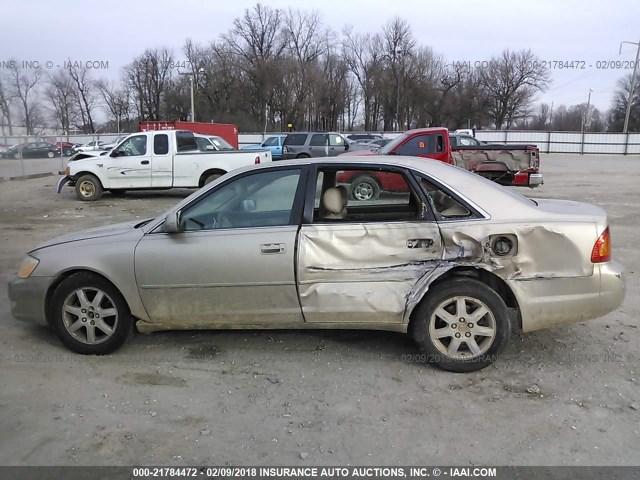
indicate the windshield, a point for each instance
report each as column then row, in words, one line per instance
column 220, row 143
column 389, row 147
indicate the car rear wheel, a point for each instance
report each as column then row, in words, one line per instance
column 89, row 315
column 303, row 155
column 50, row 154
column 364, row 188
column 212, row 177
column 462, row 325
column 88, row 188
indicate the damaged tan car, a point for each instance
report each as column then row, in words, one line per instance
column 455, row 260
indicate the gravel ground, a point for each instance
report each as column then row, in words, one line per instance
column 326, row 397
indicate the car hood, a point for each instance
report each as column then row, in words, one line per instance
column 106, row 231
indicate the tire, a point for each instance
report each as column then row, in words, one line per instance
column 75, row 315
column 117, row 193
column 364, row 188
column 303, row 155
column 212, row 177
column 51, row 154
column 88, row 188
column 439, row 310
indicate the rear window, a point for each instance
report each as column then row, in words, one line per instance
column 186, row 141
column 295, row 139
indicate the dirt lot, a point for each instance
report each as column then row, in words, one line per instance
column 248, row 398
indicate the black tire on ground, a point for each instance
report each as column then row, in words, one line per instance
column 99, row 308
column 117, row 193
column 211, row 177
column 88, row 188
column 364, row 188
column 303, row 155
column 438, row 320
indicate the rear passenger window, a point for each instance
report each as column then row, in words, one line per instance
column 295, row 139
column 444, row 204
column 160, row 144
column 318, row 140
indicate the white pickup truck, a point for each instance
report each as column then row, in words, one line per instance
column 152, row 160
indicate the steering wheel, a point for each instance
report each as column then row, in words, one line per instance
column 129, row 152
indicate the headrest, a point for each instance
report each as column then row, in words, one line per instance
column 332, row 199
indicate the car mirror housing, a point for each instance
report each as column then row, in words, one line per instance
column 172, row 223
column 248, row 205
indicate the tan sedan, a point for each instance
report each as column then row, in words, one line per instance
column 453, row 259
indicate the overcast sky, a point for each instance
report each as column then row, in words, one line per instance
column 556, row 30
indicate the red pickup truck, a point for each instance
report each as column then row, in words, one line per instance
column 506, row 164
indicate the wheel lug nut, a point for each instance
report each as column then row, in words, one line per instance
column 84, row 319
column 84, row 310
column 92, row 322
column 98, row 316
column 467, row 334
column 470, row 325
column 458, row 335
column 462, row 320
column 454, row 325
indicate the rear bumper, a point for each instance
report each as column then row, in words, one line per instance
column 527, row 179
column 547, row 302
column 27, row 297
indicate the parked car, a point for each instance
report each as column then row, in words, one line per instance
column 212, row 143
column 32, row 150
column 364, row 137
column 94, row 146
column 159, row 159
column 517, row 165
column 108, row 146
column 456, row 261
column 314, row 144
column 67, row 147
column 274, row 144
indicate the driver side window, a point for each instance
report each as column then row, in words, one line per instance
column 259, row 200
column 133, row 146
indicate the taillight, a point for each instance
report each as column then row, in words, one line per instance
column 602, row 249
column 257, row 160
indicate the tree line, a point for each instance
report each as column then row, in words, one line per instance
column 276, row 68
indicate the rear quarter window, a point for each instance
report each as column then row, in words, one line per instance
column 296, row 139
column 186, row 141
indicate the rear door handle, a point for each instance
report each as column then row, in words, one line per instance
column 419, row 243
column 272, row 248
column 144, row 162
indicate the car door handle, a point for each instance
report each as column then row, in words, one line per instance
column 271, row 248
column 419, row 243
column 144, row 162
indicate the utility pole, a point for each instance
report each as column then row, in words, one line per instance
column 632, row 85
column 191, row 76
column 586, row 115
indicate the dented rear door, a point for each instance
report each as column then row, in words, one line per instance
column 363, row 272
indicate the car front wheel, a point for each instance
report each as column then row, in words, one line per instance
column 89, row 315
column 88, row 188
column 364, row 188
column 462, row 325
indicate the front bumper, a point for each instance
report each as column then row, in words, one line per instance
column 27, row 297
column 62, row 182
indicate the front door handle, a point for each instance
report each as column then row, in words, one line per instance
column 420, row 243
column 272, row 248
column 144, row 162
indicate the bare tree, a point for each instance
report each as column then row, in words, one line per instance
column 6, row 100
column 117, row 99
column 149, row 76
column 61, row 95
column 85, row 95
column 24, row 83
column 511, row 82
column 619, row 106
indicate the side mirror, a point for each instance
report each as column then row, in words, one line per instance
column 248, row 205
column 115, row 153
column 346, row 146
column 172, row 223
